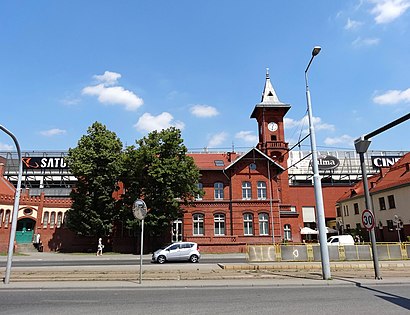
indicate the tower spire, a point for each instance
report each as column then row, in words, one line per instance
column 269, row 95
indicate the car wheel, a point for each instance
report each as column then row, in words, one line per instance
column 161, row 259
column 193, row 259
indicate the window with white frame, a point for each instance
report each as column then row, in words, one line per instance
column 219, row 224
column 200, row 187
column 263, row 224
column 287, row 232
column 219, row 190
column 346, row 210
column 198, row 222
column 59, row 219
column 7, row 218
column 52, row 219
column 45, row 219
column 246, row 190
column 1, row 217
column 262, row 190
column 248, row 224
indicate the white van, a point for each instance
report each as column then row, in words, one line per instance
column 340, row 240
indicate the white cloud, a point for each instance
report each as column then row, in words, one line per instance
column 6, row 147
column 247, row 136
column 358, row 42
column 203, row 110
column 53, row 132
column 393, row 97
column 108, row 94
column 345, row 139
column 387, row 11
column 304, row 123
column 352, row 24
column 108, row 78
column 114, row 95
column 148, row 122
column 217, row 139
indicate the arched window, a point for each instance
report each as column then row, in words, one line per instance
column 198, row 224
column 219, row 224
column 287, row 232
column 263, row 224
column 248, row 224
column 261, row 190
column 246, row 190
column 45, row 219
column 52, row 220
column 59, row 219
column 7, row 218
column 219, row 190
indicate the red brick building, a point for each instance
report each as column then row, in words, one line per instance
column 248, row 197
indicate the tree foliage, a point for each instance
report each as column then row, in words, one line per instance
column 96, row 162
column 159, row 172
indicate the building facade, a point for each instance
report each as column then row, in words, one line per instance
column 260, row 196
column 389, row 192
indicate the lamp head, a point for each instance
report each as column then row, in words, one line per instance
column 316, row 50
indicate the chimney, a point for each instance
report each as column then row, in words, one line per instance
column 1, row 169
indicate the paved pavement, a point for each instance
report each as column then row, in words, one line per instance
column 357, row 273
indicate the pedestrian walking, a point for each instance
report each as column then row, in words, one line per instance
column 100, row 247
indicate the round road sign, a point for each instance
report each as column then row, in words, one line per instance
column 139, row 209
column 368, row 219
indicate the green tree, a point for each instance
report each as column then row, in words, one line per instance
column 96, row 162
column 159, row 172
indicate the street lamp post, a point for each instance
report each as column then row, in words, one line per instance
column 15, row 209
column 361, row 146
column 324, row 251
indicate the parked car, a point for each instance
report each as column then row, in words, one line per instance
column 340, row 240
column 181, row 251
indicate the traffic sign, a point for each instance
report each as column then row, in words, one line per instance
column 139, row 209
column 368, row 219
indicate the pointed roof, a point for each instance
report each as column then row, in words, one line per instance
column 269, row 97
column 281, row 169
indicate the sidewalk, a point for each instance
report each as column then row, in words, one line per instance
column 197, row 275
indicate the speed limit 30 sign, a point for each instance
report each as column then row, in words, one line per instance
column 368, row 219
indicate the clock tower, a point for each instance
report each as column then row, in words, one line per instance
column 269, row 114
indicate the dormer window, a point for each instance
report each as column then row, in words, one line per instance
column 219, row 163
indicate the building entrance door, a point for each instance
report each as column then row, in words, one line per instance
column 25, row 231
column 177, row 231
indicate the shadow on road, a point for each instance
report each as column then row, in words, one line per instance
column 389, row 297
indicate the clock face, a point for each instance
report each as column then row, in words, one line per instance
column 272, row 126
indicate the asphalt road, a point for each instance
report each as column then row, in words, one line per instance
column 108, row 262
column 349, row 299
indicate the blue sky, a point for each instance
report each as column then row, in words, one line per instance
column 141, row 65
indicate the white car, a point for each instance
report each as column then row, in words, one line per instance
column 181, row 251
column 340, row 240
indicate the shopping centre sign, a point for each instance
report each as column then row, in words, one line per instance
column 327, row 162
column 44, row 163
column 384, row 161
